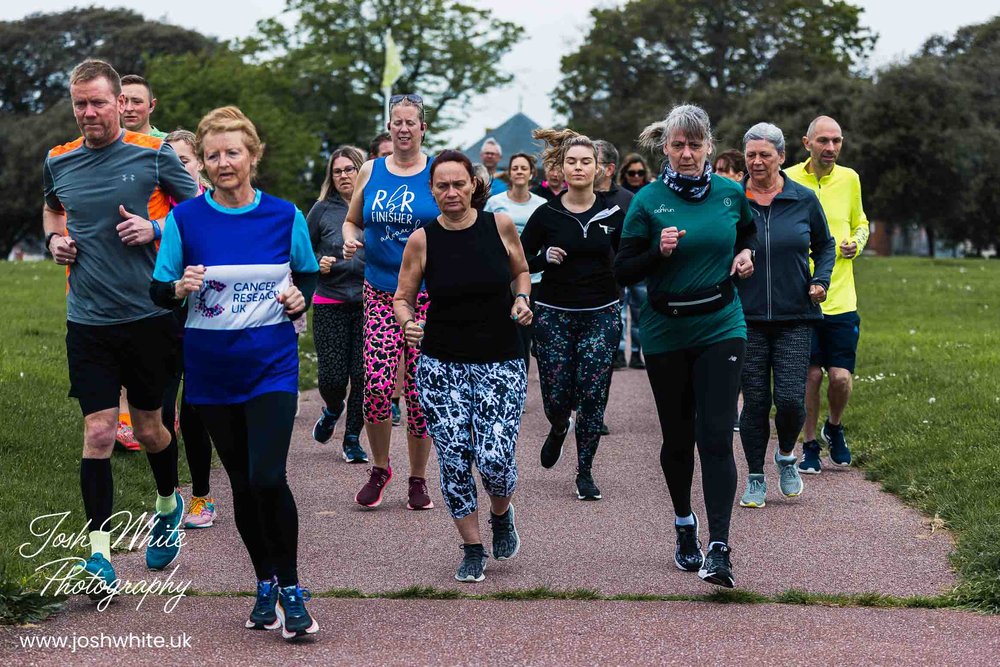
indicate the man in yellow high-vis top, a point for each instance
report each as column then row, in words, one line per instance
column 835, row 338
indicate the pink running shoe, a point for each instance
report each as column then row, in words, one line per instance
column 125, row 439
column 202, row 514
column 370, row 494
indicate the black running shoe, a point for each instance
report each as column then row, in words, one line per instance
column 552, row 449
column 717, row 569
column 264, row 616
column 604, row 429
column 585, row 487
column 473, row 565
column 688, row 555
column 619, row 361
column 506, row 541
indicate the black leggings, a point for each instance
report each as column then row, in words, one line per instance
column 783, row 351
column 695, row 392
column 338, row 330
column 252, row 439
column 197, row 443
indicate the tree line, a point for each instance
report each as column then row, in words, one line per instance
column 922, row 133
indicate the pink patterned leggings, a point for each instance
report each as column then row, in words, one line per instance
column 383, row 344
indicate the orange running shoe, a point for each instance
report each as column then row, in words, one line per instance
column 125, row 440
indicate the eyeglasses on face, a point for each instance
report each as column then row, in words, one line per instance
column 635, row 172
column 409, row 97
column 346, row 170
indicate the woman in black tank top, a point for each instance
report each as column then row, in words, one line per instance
column 471, row 377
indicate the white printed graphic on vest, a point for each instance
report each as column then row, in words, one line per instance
column 239, row 296
column 395, row 212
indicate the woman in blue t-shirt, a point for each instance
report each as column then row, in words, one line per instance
column 392, row 199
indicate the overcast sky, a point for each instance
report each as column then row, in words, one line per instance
column 550, row 26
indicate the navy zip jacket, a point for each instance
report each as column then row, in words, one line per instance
column 790, row 232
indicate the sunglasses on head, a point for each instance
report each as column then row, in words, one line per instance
column 409, row 97
column 635, row 172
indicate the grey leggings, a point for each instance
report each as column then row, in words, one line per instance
column 781, row 351
column 474, row 416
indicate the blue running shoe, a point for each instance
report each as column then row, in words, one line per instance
column 353, row 451
column 101, row 577
column 833, row 437
column 291, row 610
column 397, row 414
column 810, row 458
column 166, row 536
column 264, row 616
column 323, row 429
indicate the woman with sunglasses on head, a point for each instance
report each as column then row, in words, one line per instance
column 338, row 320
column 634, row 173
column 392, row 199
column 572, row 239
column 691, row 232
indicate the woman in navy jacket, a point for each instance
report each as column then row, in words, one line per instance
column 780, row 303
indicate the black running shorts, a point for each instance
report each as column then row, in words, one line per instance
column 139, row 356
column 835, row 341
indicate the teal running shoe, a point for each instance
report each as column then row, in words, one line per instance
column 506, row 541
column 788, row 474
column 291, row 611
column 756, row 492
column 166, row 536
column 264, row 616
column 810, row 458
column 101, row 575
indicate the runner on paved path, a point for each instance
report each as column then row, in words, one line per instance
column 338, row 315
column 240, row 347
column 835, row 338
column 471, row 376
column 681, row 233
column 99, row 191
column 392, row 199
column 781, row 305
column 572, row 240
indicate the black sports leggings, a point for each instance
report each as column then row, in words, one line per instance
column 252, row 439
column 695, row 392
column 338, row 333
column 784, row 352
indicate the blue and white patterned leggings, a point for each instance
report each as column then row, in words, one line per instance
column 473, row 414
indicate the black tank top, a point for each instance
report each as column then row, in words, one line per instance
column 468, row 281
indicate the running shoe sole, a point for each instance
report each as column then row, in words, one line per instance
column 472, row 580
column 809, row 471
column 355, row 460
column 716, row 579
column 292, row 636
column 753, row 504
column 428, row 506
column 192, row 526
column 583, row 497
column 250, row 625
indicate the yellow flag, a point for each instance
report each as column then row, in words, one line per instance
column 393, row 65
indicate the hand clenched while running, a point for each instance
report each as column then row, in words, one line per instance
column 414, row 333
column 520, row 312
column 293, row 300
column 191, row 281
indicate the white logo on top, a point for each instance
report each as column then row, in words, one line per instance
column 662, row 208
column 727, row 201
column 394, row 211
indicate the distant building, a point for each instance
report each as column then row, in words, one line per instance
column 514, row 136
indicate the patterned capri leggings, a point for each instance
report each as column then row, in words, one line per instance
column 474, row 415
column 337, row 334
column 783, row 351
column 383, row 344
column 575, row 350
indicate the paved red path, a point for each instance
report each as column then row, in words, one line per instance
column 843, row 535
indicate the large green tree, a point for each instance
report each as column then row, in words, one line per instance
column 640, row 58
column 38, row 52
column 333, row 51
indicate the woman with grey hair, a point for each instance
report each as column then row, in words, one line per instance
column 688, row 234
column 780, row 304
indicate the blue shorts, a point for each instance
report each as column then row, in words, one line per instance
column 835, row 341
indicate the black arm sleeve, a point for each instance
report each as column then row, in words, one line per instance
column 162, row 294
column 635, row 260
column 306, row 282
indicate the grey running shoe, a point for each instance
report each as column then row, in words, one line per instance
column 791, row 481
column 756, row 492
column 473, row 565
column 506, row 541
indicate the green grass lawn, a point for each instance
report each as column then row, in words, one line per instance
column 920, row 421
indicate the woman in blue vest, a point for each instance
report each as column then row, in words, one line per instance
column 392, row 199
column 230, row 254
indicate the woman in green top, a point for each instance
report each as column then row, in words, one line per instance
column 689, row 233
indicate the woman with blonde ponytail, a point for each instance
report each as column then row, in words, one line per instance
column 572, row 240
